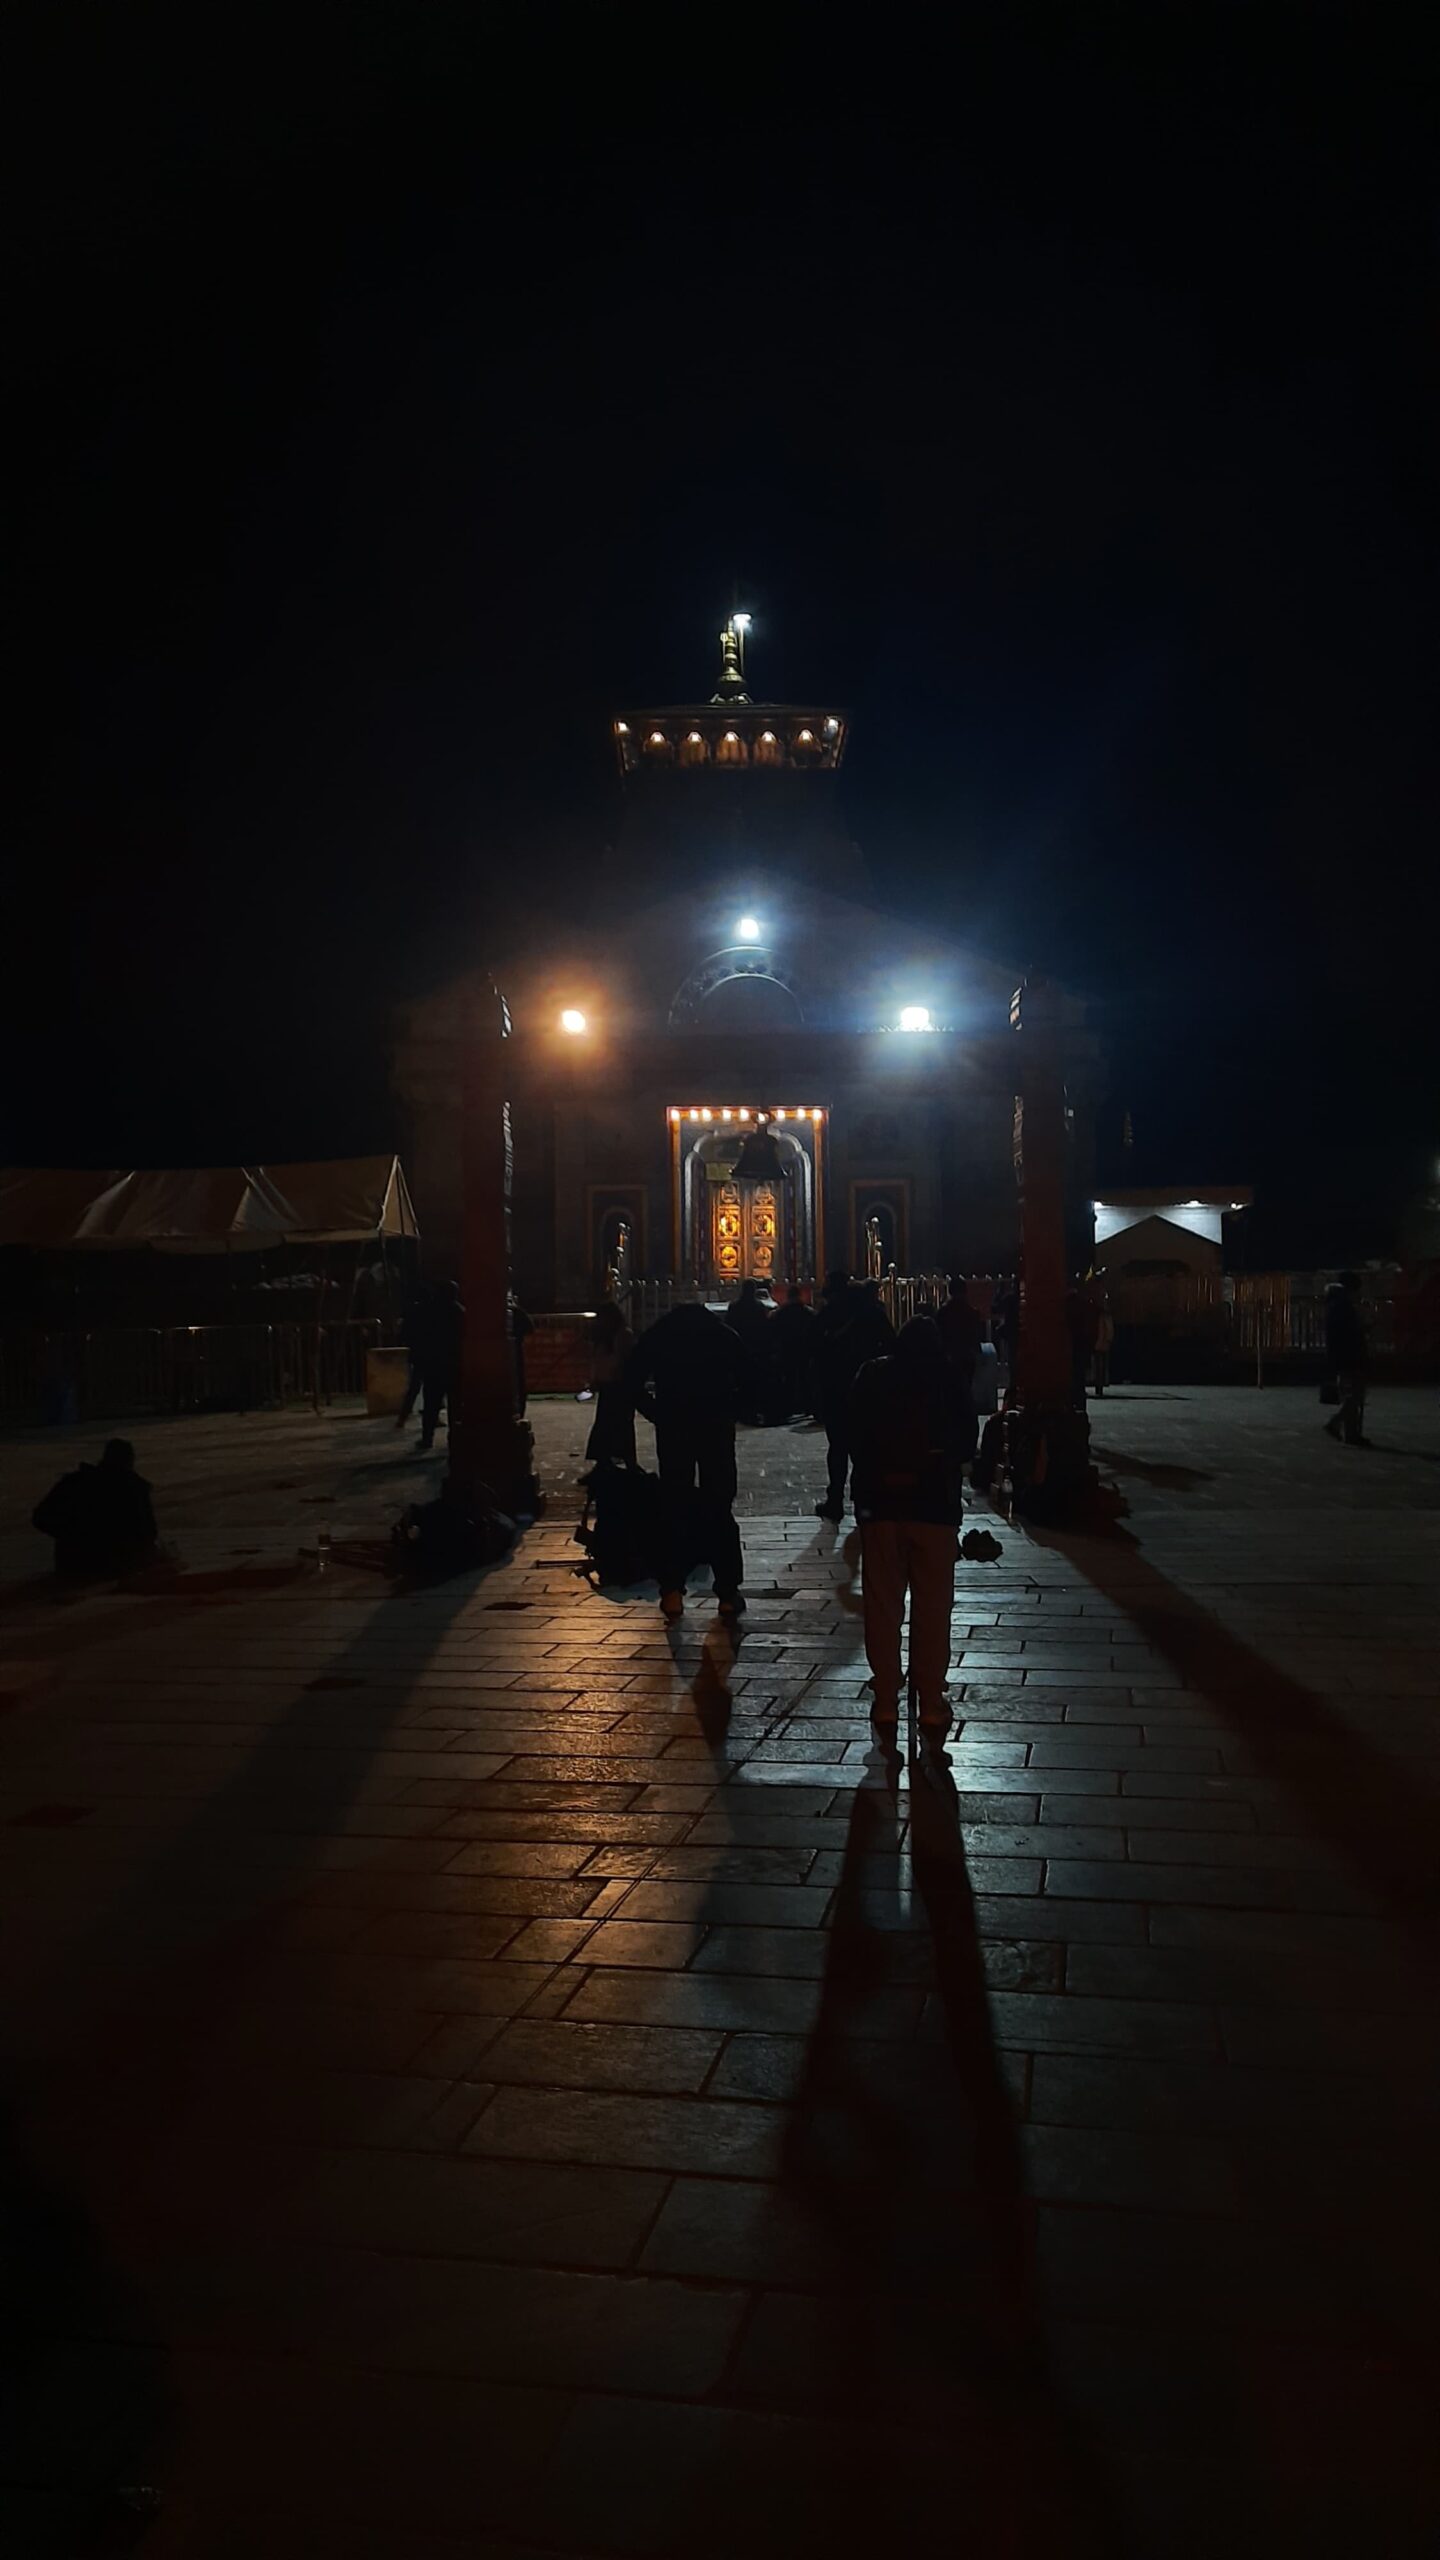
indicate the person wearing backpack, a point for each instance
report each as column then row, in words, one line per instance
column 912, row 1426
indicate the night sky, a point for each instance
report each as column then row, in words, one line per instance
column 393, row 404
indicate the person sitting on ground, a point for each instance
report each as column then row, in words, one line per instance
column 685, row 1375
column 612, row 1433
column 912, row 1426
column 101, row 1518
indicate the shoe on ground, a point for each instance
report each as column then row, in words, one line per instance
column 731, row 1604
column 672, row 1604
column 1359, row 1442
column 829, row 1511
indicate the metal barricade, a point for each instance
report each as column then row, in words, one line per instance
column 108, row 1372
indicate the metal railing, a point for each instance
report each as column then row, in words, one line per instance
column 109, row 1372
column 1272, row 1312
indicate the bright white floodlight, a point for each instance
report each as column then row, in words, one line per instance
column 915, row 1017
column 748, row 929
column 572, row 1019
column 741, row 621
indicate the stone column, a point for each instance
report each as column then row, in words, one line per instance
column 492, row 1446
column 1050, row 1441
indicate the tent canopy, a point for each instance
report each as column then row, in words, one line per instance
column 209, row 1208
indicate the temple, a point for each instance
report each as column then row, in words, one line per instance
column 743, row 1063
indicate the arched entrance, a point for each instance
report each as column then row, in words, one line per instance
column 734, row 1230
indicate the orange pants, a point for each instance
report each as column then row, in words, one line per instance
column 917, row 1556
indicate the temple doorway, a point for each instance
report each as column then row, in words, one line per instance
column 730, row 1228
column 748, row 1239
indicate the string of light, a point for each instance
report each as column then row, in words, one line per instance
column 723, row 1112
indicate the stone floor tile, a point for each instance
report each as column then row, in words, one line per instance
column 712, row 1901
column 714, row 2136
column 1250, row 1977
column 354, row 2108
column 697, row 1864
column 1302, row 1933
column 1211, row 2097
column 660, row 1944
column 1152, row 1813
column 569, row 2054
column 519, row 1857
column 774, row 1953
column 1067, row 2024
column 1166, row 2172
column 536, row 2210
column 439, row 1933
column 740, row 2233
column 1005, row 1915
column 1133, row 1880
column 448, row 2315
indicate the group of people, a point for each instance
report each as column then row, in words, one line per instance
column 898, row 1412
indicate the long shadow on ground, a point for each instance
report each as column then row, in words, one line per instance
column 906, row 2155
column 118, row 2042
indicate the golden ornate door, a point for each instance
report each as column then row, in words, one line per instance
column 745, row 1231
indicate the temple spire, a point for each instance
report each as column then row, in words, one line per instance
column 732, row 687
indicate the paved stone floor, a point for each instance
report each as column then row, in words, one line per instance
column 484, row 2077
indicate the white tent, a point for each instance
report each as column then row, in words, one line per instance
column 208, row 1209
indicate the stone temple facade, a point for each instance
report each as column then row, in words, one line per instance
column 740, row 1058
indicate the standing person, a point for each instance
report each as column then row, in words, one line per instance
column 612, row 1433
column 791, row 1332
column 521, row 1326
column 1082, row 1320
column 1005, row 1328
column 440, row 1344
column 912, row 1428
column 748, row 1317
column 414, row 1337
column 852, row 1327
column 961, row 1332
column 686, row 1375
column 1346, row 1358
column 1104, row 1341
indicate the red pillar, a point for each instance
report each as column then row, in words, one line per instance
column 1050, row 1440
column 492, row 1447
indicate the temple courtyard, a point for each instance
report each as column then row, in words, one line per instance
column 486, row 2075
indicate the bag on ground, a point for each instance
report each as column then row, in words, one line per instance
column 621, row 1527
